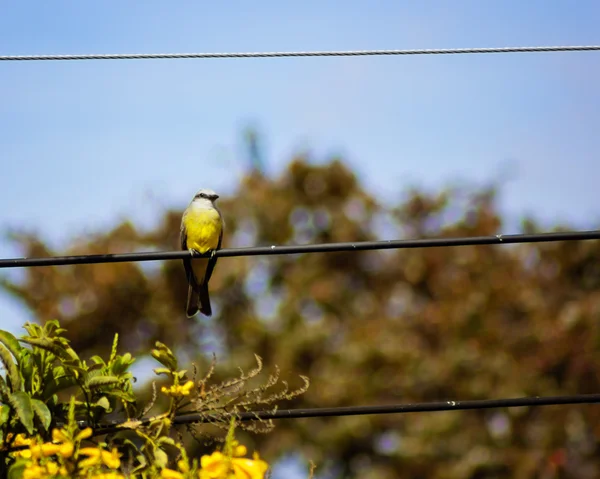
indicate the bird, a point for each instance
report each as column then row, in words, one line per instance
column 201, row 231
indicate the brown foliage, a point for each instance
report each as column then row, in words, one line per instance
column 368, row 328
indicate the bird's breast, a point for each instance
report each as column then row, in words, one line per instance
column 203, row 228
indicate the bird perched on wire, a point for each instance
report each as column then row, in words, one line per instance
column 201, row 231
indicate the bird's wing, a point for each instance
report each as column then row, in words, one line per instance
column 187, row 263
column 212, row 261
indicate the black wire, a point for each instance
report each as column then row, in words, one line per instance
column 367, row 410
column 342, row 53
column 312, row 248
column 438, row 406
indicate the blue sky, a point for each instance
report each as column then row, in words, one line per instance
column 83, row 144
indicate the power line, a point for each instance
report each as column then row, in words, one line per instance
column 367, row 410
column 340, row 53
column 311, row 248
column 115, row 426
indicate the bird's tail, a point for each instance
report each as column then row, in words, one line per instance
column 204, row 299
column 192, row 302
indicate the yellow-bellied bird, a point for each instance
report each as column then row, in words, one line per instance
column 201, row 231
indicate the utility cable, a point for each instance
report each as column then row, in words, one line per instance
column 310, row 248
column 339, row 53
column 363, row 410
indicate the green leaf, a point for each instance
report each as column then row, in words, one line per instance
column 4, row 414
column 122, row 363
column 75, row 368
column 93, row 373
column 123, row 437
column 104, row 403
column 159, row 371
column 127, row 377
column 58, row 384
column 59, row 372
column 17, row 469
column 166, row 440
column 164, row 359
column 10, row 365
column 164, row 356
column 142, row 461
column 180, row 374
column 160, row 458
column 126, row 396
column 71, row 354
column 53, row 330
column 55, row 346
column 42, row 343
column 28, row 369
column 97, row 360
column 52, row 327
column 33, row 329
column 64, row 351
column 11, row 343
column 113, row 352
column 98, row 381
column 4, row 391
column 42, row 412
column 21, row 403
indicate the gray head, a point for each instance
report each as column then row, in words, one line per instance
column 205, row 195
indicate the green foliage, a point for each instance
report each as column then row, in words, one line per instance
column 164, row 356
column 38, row 375
column 54, row 408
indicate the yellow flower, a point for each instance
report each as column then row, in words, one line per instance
column 180, row 390
column 239, row 451
column 249, row 468
column 49, row 449
column 90, row 451
column 33, row 472
column 65, row 445
column 52, row 468
column 93, row 457
column 186, row 388
column 215, row 466
column 183, row 465
column 36, row 451
column 66, row 450
column 171, row 474
column 58, row 435
column 111, row 459
column 219, row 466
column 108, row 475
column 169, row 391
column 20, row 440
column 87, row 432
column 89, row 462
column 25, row 454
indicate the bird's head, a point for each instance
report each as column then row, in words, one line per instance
column 206, row 194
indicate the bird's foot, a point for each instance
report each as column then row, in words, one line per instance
column 194, row 252
column 213, row 253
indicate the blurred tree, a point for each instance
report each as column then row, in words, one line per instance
column 367, row 328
